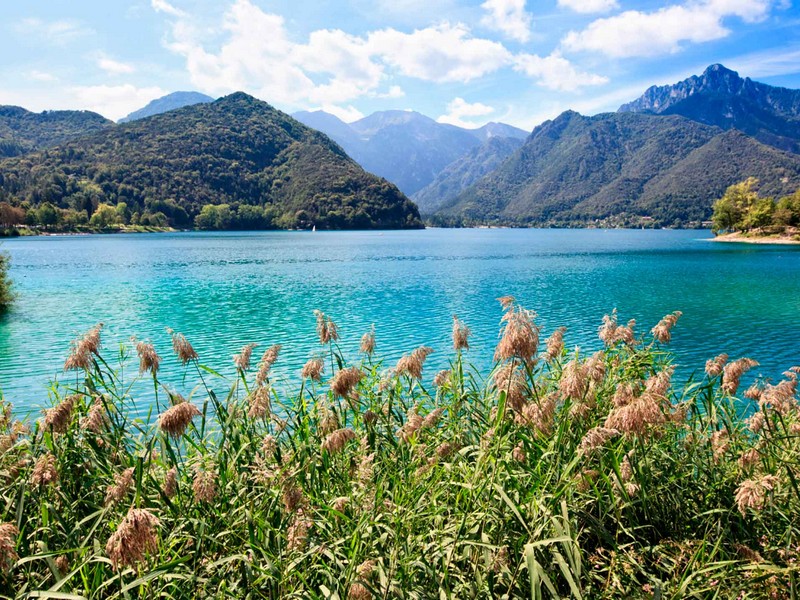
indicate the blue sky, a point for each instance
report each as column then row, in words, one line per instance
column 459, row 61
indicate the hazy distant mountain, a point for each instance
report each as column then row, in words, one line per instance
column 465, row 171
column 23, row 131
column 237, row 151
column 167, row 103
column 720, row 97
column 406, row 147
column 577, row 169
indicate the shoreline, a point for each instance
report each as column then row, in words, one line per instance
column 764, row 239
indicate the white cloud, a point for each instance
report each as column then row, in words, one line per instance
column 459, row 111
column 348, row 114
column 42, row 76
column 771, row 63
column 637, row 33
column 55, row 33
column 395, row 91
column 589, row 6
column 257, row 55
column 508, row 17
column 114, row 67
column 555, row 72
column 113, row 101
column 442, row 53
column 166, row 8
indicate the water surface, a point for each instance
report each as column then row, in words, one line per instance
column 227, row 289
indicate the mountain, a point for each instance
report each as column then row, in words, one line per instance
column 406, row 147
column 621, row 166
column 23, row 131
column 721, row 97
column 465, row 171
column 167, row 103
column 237, row 151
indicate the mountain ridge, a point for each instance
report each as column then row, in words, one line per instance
column 236, row 151
column 166, row 103
column 427, row 146
column 720, row 97
column 622, row 166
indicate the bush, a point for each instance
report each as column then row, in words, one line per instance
column 6, row 294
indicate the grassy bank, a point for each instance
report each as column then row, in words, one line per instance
column 557, row 475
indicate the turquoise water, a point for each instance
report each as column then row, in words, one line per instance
column 223, row 290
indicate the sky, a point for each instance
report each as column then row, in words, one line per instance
column 464, row 62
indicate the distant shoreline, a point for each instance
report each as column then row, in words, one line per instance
column 759, row 239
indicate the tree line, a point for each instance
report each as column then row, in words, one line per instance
column 742, row 209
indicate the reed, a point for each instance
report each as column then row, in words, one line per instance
column 558, row 474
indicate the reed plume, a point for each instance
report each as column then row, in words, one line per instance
column 297, row 534
column 461, row 335
column 242, row 360
column 781, row 396
column 259, row 403
column 204, row 486
column 134, row 538
column 58, row 418
column 441, row 378
column 345, row 381
column 326, row 328
column 611, row 332
column 508, row 379
column 8, row 553
column 44, row 471
column 732, row 373
column 539, row 415
column 120, row 488
column 752, row 493
column 555, row 344
column 171, row 483
column 313, row 369
column 96, row 418
column 358, row 591
column 714, row 365
column 519, row 334
column 411, row 364
column 149, row 360
column 334, row 442
column 596, row 438
column 368, row 342
column 80, row 357
column 177, row 418
column 267, row 360
column 182, row 348
column 663, row 330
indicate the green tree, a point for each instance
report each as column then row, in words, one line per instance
column 214, row 216
column 46, row 215
column 730, row 210
column 787, row 211
column 104, row 217
column 759, row 214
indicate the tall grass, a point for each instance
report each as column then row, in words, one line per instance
column 557, row 475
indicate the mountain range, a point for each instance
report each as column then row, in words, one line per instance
column 661, row 159
column 720, row 97
column 237, row 151
column 406, row 147
column 575, row 170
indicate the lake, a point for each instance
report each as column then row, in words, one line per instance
column 223, row 290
